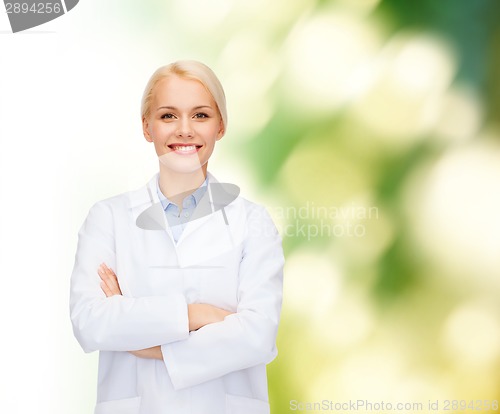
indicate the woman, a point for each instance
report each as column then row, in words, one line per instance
column 179, row 283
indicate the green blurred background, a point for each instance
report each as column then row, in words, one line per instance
column 370, row 129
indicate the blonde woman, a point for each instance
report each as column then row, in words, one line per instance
column 178, row 285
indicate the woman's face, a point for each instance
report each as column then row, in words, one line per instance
column 183, row 124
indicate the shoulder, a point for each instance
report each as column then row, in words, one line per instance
column 102, row 214
column 112, row 204
column 253, row 209
column 228, row 195
column 121, row 203
column 242, row 211
column 258, row 219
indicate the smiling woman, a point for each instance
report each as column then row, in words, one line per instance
column 182, row 304
column 189, row 128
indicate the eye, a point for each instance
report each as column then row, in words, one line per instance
column 168, row 116
column 201, row 115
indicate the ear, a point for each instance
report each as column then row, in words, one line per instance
column 222, row 131
column 145, row 130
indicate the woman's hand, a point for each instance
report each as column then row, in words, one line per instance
column 111, row 287
column 149, row 353
column 109, row 281
column 199, row 314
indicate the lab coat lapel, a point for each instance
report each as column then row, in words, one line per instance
column 208, row 233
column 152, row 231
column 147, row 210
column 209, row 216
column 203, row 213
column 143, row 205
column 203, row 240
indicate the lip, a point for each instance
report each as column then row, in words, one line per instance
column 184, row 149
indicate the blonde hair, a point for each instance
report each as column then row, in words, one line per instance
column 187, row 69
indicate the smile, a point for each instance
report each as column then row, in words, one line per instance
column 184, row 149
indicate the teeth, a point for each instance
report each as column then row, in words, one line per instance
column 184, row 148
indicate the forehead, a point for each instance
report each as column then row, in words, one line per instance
column 177, row 91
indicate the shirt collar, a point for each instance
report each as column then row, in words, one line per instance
column 195, row 196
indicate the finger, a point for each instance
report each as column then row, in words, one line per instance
column 112, row 278
column 102, row 273
column 111, row 282
column 106, row 290
column 105, row 269
column 110, row 289
column 136, row 354
column 105, row 278
column 107, row 274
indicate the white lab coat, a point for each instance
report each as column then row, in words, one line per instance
column 231, row 258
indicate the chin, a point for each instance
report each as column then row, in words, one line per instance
column 184, row 165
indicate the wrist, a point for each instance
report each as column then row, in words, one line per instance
column 194, row 317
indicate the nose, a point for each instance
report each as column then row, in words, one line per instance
column 184, row 130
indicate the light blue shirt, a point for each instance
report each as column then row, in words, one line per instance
column 177, row 219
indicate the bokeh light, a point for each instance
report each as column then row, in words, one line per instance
column 379, row 115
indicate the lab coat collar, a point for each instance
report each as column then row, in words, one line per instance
column 195, row 196
column 146, row 207
column 148, row 212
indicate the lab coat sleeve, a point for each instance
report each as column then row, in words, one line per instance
column 247, row 337
column 117, row 323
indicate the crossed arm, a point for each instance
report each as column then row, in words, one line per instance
column 199, row 314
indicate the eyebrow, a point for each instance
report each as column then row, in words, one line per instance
column 173, row 108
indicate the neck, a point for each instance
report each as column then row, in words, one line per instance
column 176, row 185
